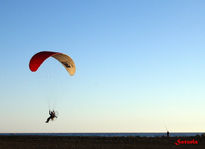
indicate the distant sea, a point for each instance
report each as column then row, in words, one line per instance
column 103, row 134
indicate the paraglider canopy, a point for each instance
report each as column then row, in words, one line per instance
column 64, row 59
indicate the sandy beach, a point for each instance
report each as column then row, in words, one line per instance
column 67, row 142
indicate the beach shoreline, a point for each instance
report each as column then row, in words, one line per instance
column 93, row 142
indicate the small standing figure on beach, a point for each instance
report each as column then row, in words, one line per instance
column 52, row 116
column 167, row 133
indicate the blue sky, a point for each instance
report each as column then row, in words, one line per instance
column 140, row 65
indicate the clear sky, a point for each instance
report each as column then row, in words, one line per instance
column 140, row 65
